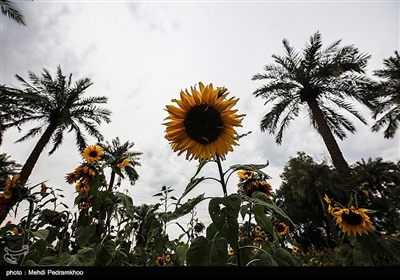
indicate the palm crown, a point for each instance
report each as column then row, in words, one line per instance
column 322, row 79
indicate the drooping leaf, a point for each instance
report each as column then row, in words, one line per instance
column 260, row 198
column 183, row 209
column 255, row 167
column 127, row 202
column 190, row 186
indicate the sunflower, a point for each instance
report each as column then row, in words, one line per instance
column 123, row 163
column 352, row 220
column 256, row 185
column 281, row 228
column 160, row 261
column 203, row 123
column 92, row 153
column 245, row 174
column 11, row 183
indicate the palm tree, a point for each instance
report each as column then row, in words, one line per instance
column 387, row 93
column 114, row 154
column 13, row 108
column 7, row 167
column 59, row 107
column 10, row 9
column 321, row 79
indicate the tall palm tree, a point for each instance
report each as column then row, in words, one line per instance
column 321, row 79
column 386, row 108
column 114, row 154
column 9, row 9
column 59, row 107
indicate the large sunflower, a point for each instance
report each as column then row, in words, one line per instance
column 203, row 123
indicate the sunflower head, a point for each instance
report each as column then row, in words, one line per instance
column 203, row 124
column 281, row 228
column 92, row 153
column 353, row 220
column 245, row 174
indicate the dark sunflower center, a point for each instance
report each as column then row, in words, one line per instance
column 203, row 124
column 352, row 218
column 93, row 154
column 280, row 228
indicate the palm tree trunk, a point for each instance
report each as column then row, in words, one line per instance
column 342, row 168
column 20, row 191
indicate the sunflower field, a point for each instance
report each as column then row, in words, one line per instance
column 252, row 227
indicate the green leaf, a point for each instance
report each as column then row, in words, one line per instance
column 243, row 210
column 267, row 260
column 193, row 182
column 181, row 251
column 283, row 258
column 84, row 233
column 255, row 167
column 263, row 220
column 95, row 184
column 225, row 218
column 127, row 202
column 41, row 233
column 46, row 261
column 117, row 171
column 260, row 198
column 104, row 252
column 183, row 209
column 354, row 256
column 389, row 245
column 84, row 257
column 203, row 252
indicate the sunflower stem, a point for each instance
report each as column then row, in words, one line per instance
column 221, row 174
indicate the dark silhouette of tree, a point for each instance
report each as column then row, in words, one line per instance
column 304, row 184
column 8, row 8
column 13, row 108
column 59, row 107
column 115, row 153
column 8, row 167
column 319, row 80
column 386, row 105
column 379, row 189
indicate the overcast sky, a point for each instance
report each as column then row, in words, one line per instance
column 142, row 54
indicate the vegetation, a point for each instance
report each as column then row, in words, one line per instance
column 321, row 215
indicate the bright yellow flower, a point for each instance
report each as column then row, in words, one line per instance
column 353, row 220
column 203, row 123
column 245, row 174
column 124, row 163
column 92, row 153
